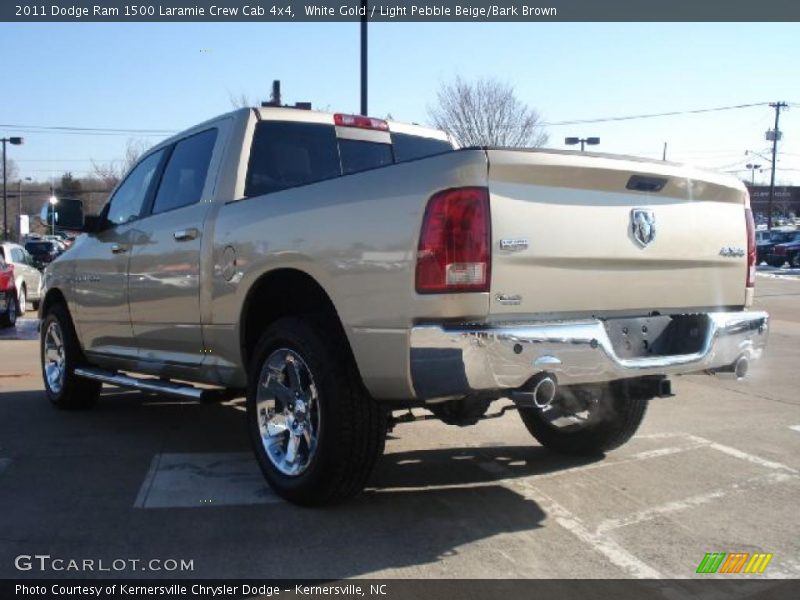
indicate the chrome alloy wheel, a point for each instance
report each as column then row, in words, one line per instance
column 287, row 410
column 54, row 358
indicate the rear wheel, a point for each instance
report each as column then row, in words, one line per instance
column 316, row 432
column 9, row 317
column 586, row 421
column 794, row 260
column 60, row 355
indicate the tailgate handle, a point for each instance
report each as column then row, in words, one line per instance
column 642, row 183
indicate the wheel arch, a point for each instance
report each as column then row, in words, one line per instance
column 54, row 296
column 280, row 293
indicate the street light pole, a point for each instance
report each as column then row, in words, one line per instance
column 752, row 169
column 591, row 141
column 53, row 202
column 14, row 141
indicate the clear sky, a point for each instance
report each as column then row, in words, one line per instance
column 171, row 76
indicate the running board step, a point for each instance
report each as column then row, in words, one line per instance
column 157, row 386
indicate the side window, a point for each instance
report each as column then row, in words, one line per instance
column 128, row 200
column 17, row 256
column 185, row 173
column 409, row 147
column 285, row 155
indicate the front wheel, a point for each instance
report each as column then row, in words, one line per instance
column 586, row 421
column 315, row 431
column 61, row 354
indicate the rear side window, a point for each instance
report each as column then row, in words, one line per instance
column 409, row 147
column 359, row 155
column 185, row 173
column 285, row 155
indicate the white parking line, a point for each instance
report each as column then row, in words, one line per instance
column 736, row 453
column 678, row 505
column 615, row 553
column 600, row 540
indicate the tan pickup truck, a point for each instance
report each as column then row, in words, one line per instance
column 339, row 270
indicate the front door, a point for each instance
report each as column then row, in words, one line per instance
column 101, row 284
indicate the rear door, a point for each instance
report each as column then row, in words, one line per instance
column 164, row 272
column 574, row 233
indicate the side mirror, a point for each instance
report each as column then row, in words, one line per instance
column 64, row 213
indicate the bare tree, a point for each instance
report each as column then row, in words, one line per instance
column 486, row 113
column 11, row 171
column 241, row 101
column 110, row 173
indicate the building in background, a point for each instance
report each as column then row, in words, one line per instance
column 785, row 203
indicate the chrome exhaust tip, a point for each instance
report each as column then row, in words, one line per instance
column 544, row 392
column 538, row 393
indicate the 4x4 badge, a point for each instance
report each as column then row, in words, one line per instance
column 643, row 225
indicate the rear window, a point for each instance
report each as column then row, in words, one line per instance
column 409, row 147
column 285, row 155
column 359, row 155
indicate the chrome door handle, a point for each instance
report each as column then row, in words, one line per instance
column 118, row 249
column 184, row 235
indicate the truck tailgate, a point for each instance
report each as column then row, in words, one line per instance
column 582, row 233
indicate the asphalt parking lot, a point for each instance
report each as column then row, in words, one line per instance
column 714, row 469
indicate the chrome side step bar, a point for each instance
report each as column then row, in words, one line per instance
column 146, row 385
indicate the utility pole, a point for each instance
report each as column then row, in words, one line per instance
column 364, row 58
column 775, row 135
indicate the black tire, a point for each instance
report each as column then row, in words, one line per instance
column 774, row 262
column 74, row 392
column 618, row 415
column 351, row 425
column 22, row 301
column 9, row 317
column 794, row 260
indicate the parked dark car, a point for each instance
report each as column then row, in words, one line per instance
column 786, row 251
column 43, row 252
column 764, row 246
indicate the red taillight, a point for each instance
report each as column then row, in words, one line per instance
column 360, row 121
column 454, row 253
column 751, row 247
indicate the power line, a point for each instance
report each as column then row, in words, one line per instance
column 85, row 130
column 653, row 115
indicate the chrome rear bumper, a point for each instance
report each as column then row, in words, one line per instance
column 455, row 361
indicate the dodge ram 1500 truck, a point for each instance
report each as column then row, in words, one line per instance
column 336, row 269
